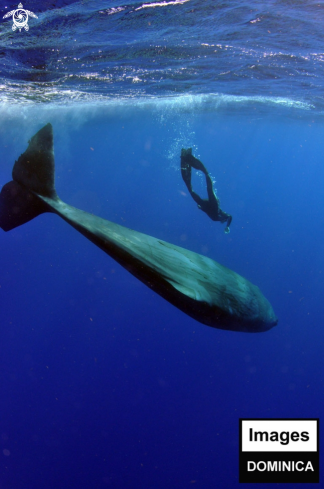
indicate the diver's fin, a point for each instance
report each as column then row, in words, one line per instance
column 32, row 174
column 35, row 167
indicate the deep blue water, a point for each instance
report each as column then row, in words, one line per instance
column 103, row 383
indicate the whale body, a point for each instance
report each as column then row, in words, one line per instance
column 200, row 287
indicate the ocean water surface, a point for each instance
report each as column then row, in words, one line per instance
column 104, row 383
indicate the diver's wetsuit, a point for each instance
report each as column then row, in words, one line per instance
column 211, row 205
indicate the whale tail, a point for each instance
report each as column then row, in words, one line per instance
column 33, row 174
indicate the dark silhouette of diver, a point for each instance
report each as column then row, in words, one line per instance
column 211, row 205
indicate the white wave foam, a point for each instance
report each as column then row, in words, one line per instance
column 162, row 4
column 15, row 98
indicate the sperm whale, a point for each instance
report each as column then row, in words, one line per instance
column 200, row 287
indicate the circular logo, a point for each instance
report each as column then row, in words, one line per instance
column 20, row 18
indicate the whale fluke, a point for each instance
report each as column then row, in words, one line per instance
column 195, row 284
column 35, row 168
column 33, row 173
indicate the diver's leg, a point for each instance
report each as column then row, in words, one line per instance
column 210, row 190
column 186, row 168
column 186, row 174
column 188, row 161
column 198, row 165
column 212, row 199
column 199, row 201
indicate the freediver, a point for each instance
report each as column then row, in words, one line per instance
column 211, row 205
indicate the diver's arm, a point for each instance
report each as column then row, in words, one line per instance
column 229, row 220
